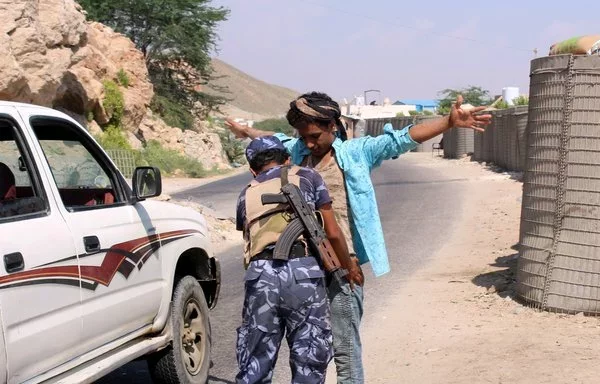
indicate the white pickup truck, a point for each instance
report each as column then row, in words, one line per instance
column 93, row 274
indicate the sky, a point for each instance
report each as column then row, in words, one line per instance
column 404, row 49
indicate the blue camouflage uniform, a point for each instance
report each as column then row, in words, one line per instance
column 284, row 298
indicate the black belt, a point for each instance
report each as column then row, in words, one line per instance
column 298, row 250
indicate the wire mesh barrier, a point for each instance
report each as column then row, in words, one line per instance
column 520, row 123
column 458, row 142
column 124, row 160
column 503, row 142
column 559, row 263
column 498, row 137
column 477, row 146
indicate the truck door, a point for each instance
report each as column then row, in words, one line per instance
column 116, row 245
column 39, row 272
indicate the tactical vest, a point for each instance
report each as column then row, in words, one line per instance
column 265, row 223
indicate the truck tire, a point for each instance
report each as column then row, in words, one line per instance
column 187, row 360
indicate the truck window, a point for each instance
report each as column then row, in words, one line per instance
column 19, row 197
column 83, row 179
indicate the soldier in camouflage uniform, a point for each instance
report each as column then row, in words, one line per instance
column 283, row 297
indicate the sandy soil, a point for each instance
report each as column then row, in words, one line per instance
column 458, row 320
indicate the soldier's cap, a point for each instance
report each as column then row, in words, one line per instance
column 262, row 144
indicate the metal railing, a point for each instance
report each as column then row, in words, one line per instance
column 124, row 160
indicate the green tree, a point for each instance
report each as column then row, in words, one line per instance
column 476, row 96
column 176, row 38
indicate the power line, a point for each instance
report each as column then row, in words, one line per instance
column 418, row 29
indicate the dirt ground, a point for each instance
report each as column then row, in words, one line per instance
column 458, row 321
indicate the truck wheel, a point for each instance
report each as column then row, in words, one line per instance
column 187, row 360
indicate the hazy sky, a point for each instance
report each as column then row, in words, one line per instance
column 405, row 49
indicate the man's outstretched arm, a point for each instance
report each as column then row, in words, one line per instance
column 458, row 118
column 242, row 131
column 392, row 143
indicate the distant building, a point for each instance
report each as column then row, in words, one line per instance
column 357, row 109
column 421, row 105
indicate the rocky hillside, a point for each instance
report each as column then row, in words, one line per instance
column 54, row 57
column 253, row 99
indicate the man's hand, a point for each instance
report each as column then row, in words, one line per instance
column 460, row 118
column 239, row 130
column 355, row 274
column 243, row 131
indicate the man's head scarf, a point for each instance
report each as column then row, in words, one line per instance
column 320, row 107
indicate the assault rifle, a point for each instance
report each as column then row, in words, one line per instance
column 303, row 222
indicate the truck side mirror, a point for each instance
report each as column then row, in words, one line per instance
column 146, row 183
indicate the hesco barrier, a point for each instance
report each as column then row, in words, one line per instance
column 484, row 151
column 559, row 264
column 458, row 142
column 427, row 146
column 477, row 147
column 498, row 137
column 520, row 117
column 503, row 142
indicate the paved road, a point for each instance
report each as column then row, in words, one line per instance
column 417, row 207
column 220, row 195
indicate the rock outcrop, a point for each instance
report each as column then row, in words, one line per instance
column 53, row 57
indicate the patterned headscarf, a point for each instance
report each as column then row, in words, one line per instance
column 320, row 107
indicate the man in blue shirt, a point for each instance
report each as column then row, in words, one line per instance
column 322, row 146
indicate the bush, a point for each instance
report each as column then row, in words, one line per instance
column 501, row 104
column 400, row 114
column 234, row 149
column 113, row 138
column 521, row 100
column 414, row 113
column 169, row 161
column 427, row 113
column 174, row 114
column 113, row 102
column 275, row 125
column 123, row 78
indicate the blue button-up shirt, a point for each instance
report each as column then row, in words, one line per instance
column 357, row 157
